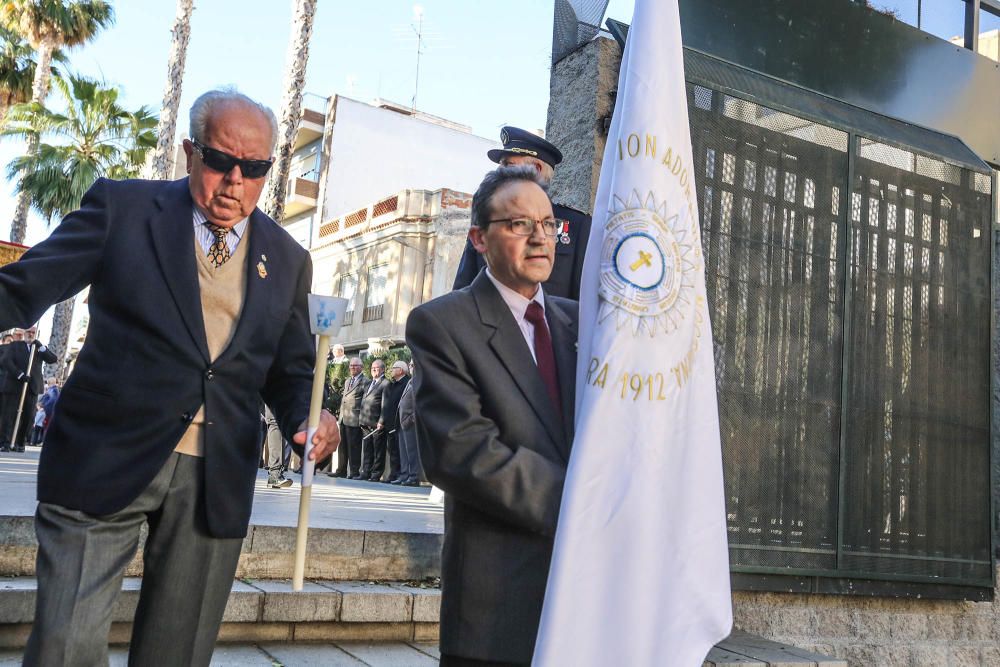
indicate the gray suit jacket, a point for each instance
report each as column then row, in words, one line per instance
column 371, row 402
column 491, row 439
column 350, row 404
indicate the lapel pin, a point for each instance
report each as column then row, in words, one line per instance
column 261, row 270
column 564, row 235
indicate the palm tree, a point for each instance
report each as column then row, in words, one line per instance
column 49, row 25
column 161, row 164
column 303, row 13
column 92, row 137
column 17, row 70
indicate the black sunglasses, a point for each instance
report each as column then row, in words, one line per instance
column 224, row 162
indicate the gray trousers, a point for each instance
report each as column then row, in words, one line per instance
column 187, row 576
column 275, row 444
column 409, row 457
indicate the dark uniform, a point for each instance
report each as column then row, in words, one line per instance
column 571, row 243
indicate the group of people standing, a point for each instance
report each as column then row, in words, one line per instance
column 21, row 359
column 376, row 423
column 376, row 419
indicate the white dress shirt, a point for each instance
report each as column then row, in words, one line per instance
column 518, row 307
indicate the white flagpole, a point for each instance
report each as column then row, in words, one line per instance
column 325, row 315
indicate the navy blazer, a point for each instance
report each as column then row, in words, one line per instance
column 144, row 370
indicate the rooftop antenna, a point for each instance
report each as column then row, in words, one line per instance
column 418, row 15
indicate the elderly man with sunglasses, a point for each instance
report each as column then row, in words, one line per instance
column 197, row 310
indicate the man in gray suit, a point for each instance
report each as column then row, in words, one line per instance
column 494, row 406
column 349, row 454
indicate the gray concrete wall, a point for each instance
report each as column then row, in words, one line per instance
column 580, row 98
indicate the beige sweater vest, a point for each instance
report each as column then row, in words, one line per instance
column 223, row 290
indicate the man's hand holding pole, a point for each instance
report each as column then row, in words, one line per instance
column 322, row 435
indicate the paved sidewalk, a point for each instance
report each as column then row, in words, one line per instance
column 336, row 503
column 344, row 654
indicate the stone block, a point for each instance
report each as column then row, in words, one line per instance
column 373, row 603
column 244, row 604
column 834, row 622
column 255, row 632
column 795, row 621
column 975, row 627
column 392, row 555
column 908, row 626
column 334, row 632
column 426, row 632
column 871, row 627
column 314, row 603
column 17, row 599
column 928, row 656
column 18, row 531
column 941, row 626
column 281, row 539
column 243, row 656
column 331, row 554
column 965, row 656
column 990, row 655
column 426, row 603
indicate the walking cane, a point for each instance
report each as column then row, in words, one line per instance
column 24, row 394
column 325, row 316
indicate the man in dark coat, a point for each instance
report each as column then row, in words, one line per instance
column 198, row 309
column 389, row 421
column 521, row 147
column 21, row 382
column 494, row 407
column 373, row 435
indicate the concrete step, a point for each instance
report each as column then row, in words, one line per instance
column 268, row 610
column 338, row 654
column 396, row 654
column 268, row 553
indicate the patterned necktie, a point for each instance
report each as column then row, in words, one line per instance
column 218, row 252
column 544, row 356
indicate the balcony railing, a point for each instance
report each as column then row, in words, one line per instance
column 372, row 313
column 348, row 318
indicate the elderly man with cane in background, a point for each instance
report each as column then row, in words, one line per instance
column 198, row 308
column 22, row 382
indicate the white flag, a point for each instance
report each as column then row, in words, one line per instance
column 640, row 571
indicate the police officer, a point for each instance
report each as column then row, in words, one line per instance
column 523, row 147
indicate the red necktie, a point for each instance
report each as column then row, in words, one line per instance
column 544, row 356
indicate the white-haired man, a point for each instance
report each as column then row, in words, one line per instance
column 197, row 309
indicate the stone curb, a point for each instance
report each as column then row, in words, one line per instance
column 267, row 601
column 268, row 553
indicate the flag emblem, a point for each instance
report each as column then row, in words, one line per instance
column 648, row 267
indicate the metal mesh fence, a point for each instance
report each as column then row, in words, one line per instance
column 917, row 470
column 780, row 228
column 575, row 22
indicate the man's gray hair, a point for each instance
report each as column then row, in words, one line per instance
column 206, row 104
column 495, row 180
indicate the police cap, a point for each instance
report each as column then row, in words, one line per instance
column 521, row 142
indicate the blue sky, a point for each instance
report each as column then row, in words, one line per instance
column 485, row 64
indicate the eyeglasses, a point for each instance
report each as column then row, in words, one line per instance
column 526, row 226
column 224, row 162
